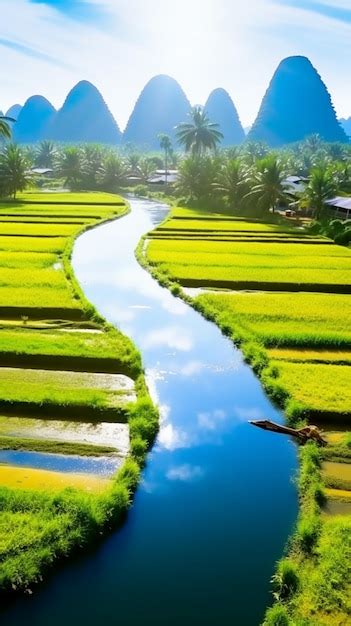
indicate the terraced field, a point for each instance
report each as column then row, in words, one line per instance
column 283, row 296
column 68, row 398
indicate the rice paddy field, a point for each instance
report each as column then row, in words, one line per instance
column 283, row 296
column 70, row 388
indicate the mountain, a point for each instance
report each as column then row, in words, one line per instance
column 14, row 111
column 296, row 104
column 221, row 110
column 161, row 105
column 346, row 124
column 85, row 117
column 33, row 120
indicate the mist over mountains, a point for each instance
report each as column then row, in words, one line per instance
column 296, row 104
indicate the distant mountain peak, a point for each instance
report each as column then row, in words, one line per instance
column 221, row 110
column 296, row 104
column 14, row 111
column 85, row 117
column 33, row 120
column 161, row 105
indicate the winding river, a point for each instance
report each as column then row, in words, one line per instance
column 217, row 501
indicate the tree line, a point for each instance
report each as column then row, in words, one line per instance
column 248, row 179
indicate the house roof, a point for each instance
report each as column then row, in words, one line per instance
column 295, row 179
column 171, row 178
column 42, row 170
column 340, row 202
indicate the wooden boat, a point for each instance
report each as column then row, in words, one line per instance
column 307, row 433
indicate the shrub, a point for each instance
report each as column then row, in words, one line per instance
column 141, row 191
column 307, row 532
column 129, row 474
column 277, row 616
column 344, row 238
column 335, row 227
column 139, row 448
column 285, row 580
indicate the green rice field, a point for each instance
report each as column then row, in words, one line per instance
column 297, row 311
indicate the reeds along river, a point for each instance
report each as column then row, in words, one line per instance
column 217, row 502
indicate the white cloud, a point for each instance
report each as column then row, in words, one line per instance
column 185, row 472
column 211, row 420
column 191, row 368
column 169, row 336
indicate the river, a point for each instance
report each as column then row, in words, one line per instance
column 217, row 501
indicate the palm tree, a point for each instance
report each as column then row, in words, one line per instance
column 69, row 166
column 113, row 172
column 200, row 134
column 232, row 184
column 268, row 186
column 313, row 142
column 92, row 156
column 45, row 154
column 196, row 178
column 254, row 150
column 321, row 187
column 166, row 146
column 133, row 159
column 146, row 168
column 15, row 174
column 5, row 129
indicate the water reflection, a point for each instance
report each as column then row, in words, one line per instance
column 101, row 466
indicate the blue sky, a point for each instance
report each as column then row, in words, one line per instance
column 46, row 46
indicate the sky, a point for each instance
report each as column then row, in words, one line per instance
column 46, row 46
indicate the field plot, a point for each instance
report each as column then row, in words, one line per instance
column 34, row 285
column 237, row 254
column 285, row 319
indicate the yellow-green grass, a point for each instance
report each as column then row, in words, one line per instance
column 338, row 448
column 38, row 297
column 14, row 534
column 26, row 259
column 42, row 219
column 162, row 254
column 28, row 386
column 37, row 230
column 53, row 211
column 91, row 197
column 342, row 357
column 221, row 225
column 33, row 244
column 337, row 475
column 36, row 277
column 245, row 248
column 54, row 446
column 186, row 274
column 321, row 388
column 66, row 379
column 285, row 319
column 324, row 590
column 84, row 347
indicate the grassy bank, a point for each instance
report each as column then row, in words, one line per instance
column 49, row 330
column 299, row 345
